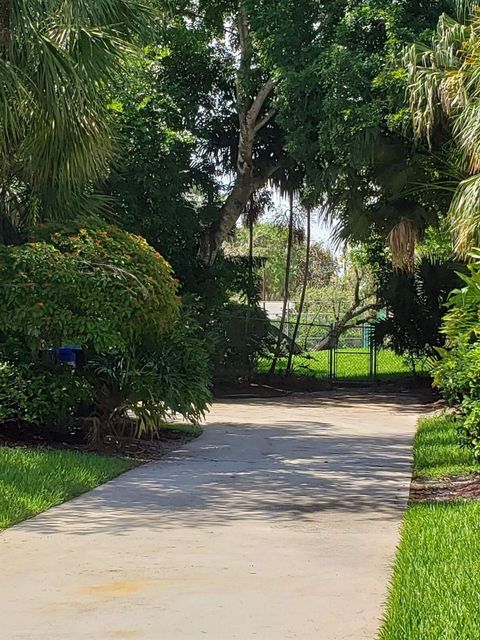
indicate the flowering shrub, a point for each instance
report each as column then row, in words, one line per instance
column 109, row 292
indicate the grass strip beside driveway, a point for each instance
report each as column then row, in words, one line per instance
column 33, row 480
column 435, row 592
column 436, row 450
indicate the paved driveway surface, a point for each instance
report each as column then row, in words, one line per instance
column 280, row 522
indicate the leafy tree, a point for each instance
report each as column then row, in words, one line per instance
column 162, row 191
column 234, row 121
column 270, row 246
column 262, row 89
column 343, row 111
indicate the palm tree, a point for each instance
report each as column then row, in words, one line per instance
column 286, row 289
column 56, row 60
column 444, row 95
column 257, row 205
column 306, row 275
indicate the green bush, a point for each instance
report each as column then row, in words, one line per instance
column 175, row 373
column 457, row 375
column 111, row 293
column 99, row 287
column 240, row 335
column 33, row 395
column 415, row 305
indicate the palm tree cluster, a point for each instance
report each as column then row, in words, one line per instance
column 56, row 59
column 444, row 96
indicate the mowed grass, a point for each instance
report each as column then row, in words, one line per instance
column 33, row 480
column 435, row 591
column 436, row 450
column 351, row 364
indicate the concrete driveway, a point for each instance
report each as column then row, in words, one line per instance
column 280, row 522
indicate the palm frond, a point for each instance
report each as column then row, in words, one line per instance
column 402, row 240
column 465, row 215
column 54, row 133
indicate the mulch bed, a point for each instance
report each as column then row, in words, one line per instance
column 445, row 489
column 14, row 435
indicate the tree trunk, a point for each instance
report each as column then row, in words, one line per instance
column 286, row 292
column 246, row 184
column 304, row 290
column 342, row 324
column 6, row 229
column 253, row 115
column 250, row 250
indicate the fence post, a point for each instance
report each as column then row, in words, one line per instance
column 331, row 355
column 373, row 354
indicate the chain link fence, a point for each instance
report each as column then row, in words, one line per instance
column 323, row 352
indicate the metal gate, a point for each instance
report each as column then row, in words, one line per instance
column 355, row 354
column 352, row 356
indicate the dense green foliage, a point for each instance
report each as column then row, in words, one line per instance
column 343, row 109
column 178, row 119
column 415, row 305
column 458, row 374
column 160, row 190
column 113, row 295
column 239, row 335
column 36, row 395
column 89, row 284
column 444, row 91
column 34, row 480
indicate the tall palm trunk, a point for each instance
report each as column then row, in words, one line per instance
column 251, row 223
column 301, row 305
column 286, row 290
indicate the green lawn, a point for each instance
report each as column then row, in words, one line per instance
column 351, row 364
column 435, row 591
column 436, row 451
column 33, row 480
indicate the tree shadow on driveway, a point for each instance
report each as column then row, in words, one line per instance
column 275, row 469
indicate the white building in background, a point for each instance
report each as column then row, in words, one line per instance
column 274, row 308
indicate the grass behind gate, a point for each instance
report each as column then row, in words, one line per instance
column 33, row 480
column 351, row 364
column 435, row 591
